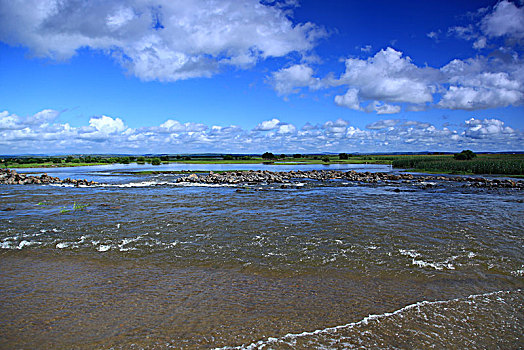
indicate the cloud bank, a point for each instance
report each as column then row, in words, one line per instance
column 159, row 39
column 42, row 133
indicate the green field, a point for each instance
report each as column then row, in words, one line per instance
column 502, row 164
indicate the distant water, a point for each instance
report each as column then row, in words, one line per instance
column 144, row 263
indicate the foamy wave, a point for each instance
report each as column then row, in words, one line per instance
column 290, row 337
column 136, row 184
column 421, row 263
column 6, row 244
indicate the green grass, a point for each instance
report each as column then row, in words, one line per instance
column 500, row 164
column 76, row 207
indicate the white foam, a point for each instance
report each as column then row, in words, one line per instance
column 436, row 266
column 197, row 184
column 5, row 245
column 422, row 263
column 126, row 241
column 290, row 337
column 135, row 184
column 103, row 248
column 410, row 253
column 25, row 243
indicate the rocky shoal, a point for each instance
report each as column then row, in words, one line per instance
column 264, row 176
column 11, row 177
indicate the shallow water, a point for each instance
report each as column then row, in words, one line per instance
column 150, row 264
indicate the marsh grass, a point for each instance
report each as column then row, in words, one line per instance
column 485, row 164
column 76, row 207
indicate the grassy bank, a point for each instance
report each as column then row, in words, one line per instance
column 309, row 159
column 502, row 164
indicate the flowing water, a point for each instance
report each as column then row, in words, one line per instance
column 141, row 262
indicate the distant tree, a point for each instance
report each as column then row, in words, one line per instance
column 343, row 156
column 187, row 158
column 464, row 155
column 124, row 160
column 227, row 157
column 246, row 158
column 164, row 158
column 155, row 161
column 69, row 159
column 141, row 159
column 282, row 156
column 57, row 160
column 268, row 155
column 75, row 160
column 326, row 159
column 297, row 155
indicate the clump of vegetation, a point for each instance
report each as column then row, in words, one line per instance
column 326, row 159
column 227, row 157
column 268, row 155
column 465, row 155
column 76, row 207
column 155, row 161
column 343, row 156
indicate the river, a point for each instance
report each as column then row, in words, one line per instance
column 336, row 265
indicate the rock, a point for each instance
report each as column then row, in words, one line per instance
column 11, row 177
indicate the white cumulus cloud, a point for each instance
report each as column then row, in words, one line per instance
column 287, row 80
column 107, row 125
column 487, row 128
column 268, row 125
column 389, row 77
column 506, row 20
column 158, row 39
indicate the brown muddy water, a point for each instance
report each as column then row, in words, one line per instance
column 331, row 265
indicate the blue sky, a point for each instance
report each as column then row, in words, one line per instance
column 142, row 76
